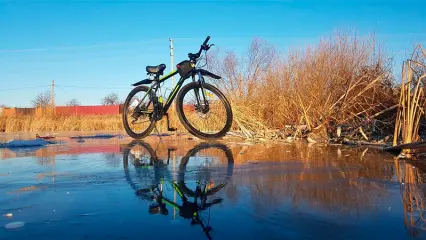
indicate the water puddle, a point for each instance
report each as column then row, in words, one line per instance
column 109, row 189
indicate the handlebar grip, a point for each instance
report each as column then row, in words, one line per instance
column 207, row 39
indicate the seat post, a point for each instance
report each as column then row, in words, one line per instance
column 157, row 76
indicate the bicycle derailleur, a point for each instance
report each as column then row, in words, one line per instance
column 156, row 115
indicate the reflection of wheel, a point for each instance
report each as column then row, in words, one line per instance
column 203, row 146
column 206, row 114
column 150, row 154
column 147, row 158
column 137, row 113
column 197, row 150
column 145, row 151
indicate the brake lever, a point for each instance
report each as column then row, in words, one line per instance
column 207, row 47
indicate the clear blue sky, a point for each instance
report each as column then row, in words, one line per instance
column 104, row 46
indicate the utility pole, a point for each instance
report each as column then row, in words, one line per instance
column 172, row 65
column 52, row 94
column 171, row 61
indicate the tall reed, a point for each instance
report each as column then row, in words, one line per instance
column 412, row 99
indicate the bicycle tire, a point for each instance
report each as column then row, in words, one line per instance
column 146, row 146
column 187, row 124
column 129, row 131
column 152, row 156
column 192, row 152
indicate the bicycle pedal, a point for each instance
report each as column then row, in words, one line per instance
column 172, row 129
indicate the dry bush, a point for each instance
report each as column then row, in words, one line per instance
column 341, row 81
column 111, row 99
column 73, row 102
column 42, row 99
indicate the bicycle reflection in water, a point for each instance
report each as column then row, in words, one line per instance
column 140, row 157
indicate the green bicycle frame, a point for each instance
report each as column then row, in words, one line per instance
column 172, row 94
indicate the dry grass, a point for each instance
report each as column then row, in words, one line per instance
column 56, row 123
column 412, row 98
column 75, row 123
column 341, row 81
column 50, row 123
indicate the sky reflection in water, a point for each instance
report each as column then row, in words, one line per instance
column 186, row 189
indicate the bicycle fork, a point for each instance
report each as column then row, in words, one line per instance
column 204, row 109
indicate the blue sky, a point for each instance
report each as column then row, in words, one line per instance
column 91, row 48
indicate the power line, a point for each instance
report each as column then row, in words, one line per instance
column 22, row 88
column 116, row 44
column 90, row 87
column 61, row 86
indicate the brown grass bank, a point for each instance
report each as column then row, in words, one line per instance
column 75, row 123
column 341, row 81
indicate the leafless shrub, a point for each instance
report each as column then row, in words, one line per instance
column 42, row 100
column 111, row 99
column 73, row 102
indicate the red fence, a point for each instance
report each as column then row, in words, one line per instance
column 64, row 111
column 87, row 110
column 18, row 111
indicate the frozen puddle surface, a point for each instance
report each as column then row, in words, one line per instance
column 110, row 189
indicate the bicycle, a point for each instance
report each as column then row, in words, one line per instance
column 196, row 101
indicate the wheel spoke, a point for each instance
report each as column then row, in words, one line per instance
column 138, row 111
column 211, row 120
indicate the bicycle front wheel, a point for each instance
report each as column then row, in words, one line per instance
column 204, row 112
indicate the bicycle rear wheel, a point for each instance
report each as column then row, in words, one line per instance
column 137, row 113
column 205, row 114
column 137, row 153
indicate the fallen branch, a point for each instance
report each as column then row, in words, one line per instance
column 364, row 143
column 398, row 148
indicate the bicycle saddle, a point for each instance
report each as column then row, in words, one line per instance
column 156, row 69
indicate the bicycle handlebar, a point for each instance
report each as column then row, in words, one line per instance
column 203, row 47
column 207, row 39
